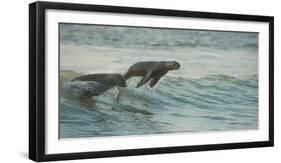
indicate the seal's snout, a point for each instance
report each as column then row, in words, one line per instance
column 173, row 65
column 176, row 65
column 123, row 84
column 122, row 81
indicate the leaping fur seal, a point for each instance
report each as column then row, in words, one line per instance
column 151, row 70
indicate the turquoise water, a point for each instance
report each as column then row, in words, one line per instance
column 216, row 88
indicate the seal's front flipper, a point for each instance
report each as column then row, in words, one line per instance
column 153, row 81
column 145, row 79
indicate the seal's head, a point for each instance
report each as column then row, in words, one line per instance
column 173, row 65
column 120, row 81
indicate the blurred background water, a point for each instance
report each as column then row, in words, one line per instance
column 216, row 88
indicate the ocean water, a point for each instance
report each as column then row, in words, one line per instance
column 215, row 90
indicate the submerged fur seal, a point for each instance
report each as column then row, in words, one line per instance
column 151, row 70
column 96, row 84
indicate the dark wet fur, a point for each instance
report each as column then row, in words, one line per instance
column 106, row 79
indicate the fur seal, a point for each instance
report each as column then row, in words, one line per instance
column 151, row 70
column 96, row 84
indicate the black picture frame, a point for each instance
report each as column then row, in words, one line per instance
column 37, row 80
